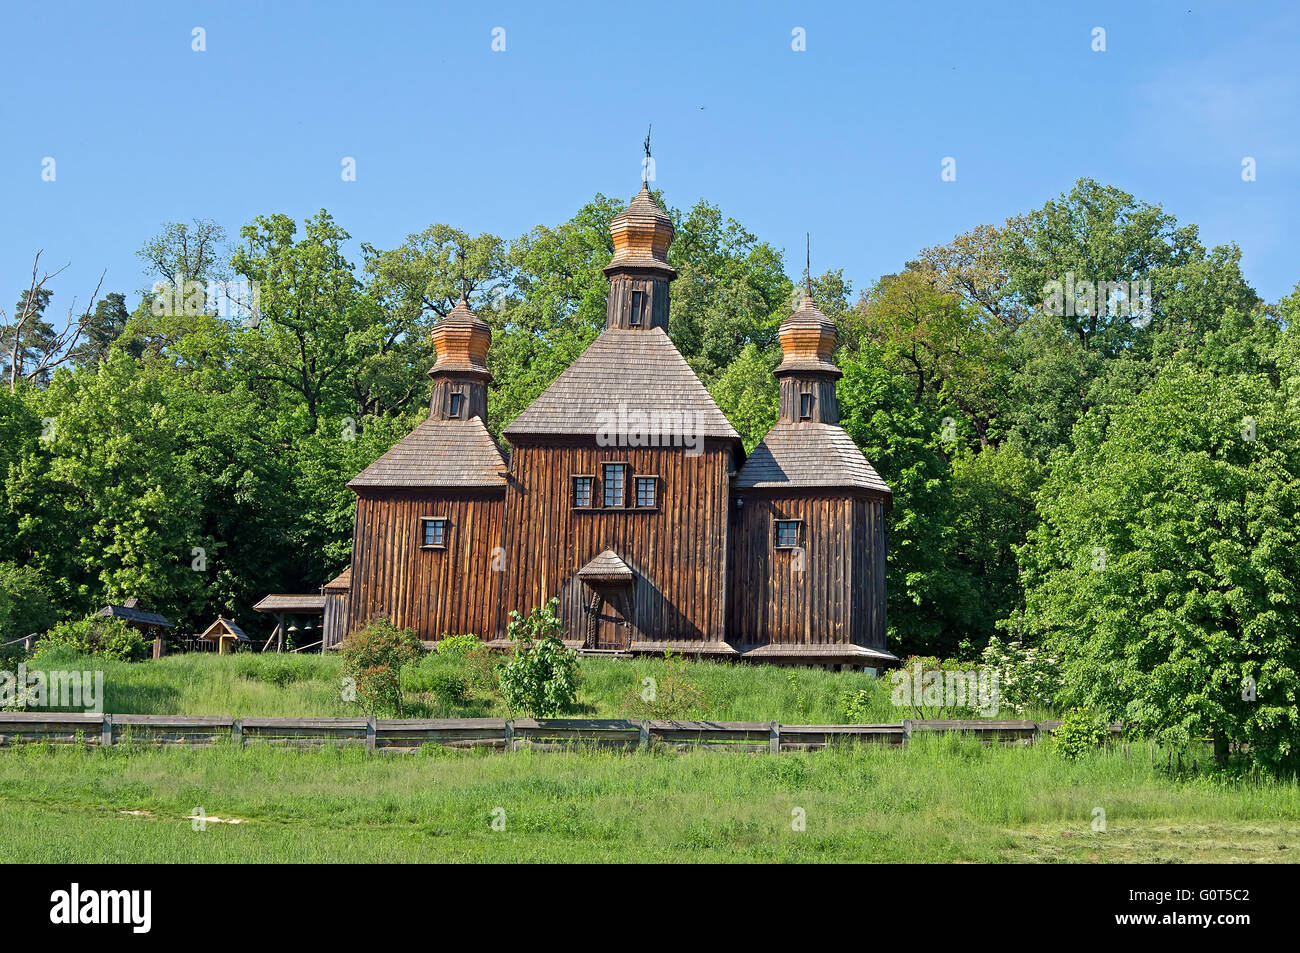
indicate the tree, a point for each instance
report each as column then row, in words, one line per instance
column 1165, row 566
column 106, row 324
column 541, row 678
column 313, row 313
column 33, row 347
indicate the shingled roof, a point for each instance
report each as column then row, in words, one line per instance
column 129, row 613
column 608, row 566
column 450, row 453
column 809, row 455
column 623, row 370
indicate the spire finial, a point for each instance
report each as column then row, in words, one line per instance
column 807, row 268
column 647, row 162
column 464, row 284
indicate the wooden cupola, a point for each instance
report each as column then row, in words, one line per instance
column 807, row 374
column 639, row 272
column 460, row 374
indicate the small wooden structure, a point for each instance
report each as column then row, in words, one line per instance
column 335, row 624
column 281, row 604
column 226, row 634
column 149, row 623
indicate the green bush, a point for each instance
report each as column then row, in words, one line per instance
column 373, row 658
column 458, row 646
column 672, row 694
column 450, row 686
column 541, row 678
column 101, row 636
column 1079, row 732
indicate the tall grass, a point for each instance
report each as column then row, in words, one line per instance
column 244, row 685
column 940, row 799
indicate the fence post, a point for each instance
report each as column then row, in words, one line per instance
column 106, row 738
column 774, row 738
column 370, row 733
column 644, row 740
column 907, row 731
column 510, row 734
column 237, row 732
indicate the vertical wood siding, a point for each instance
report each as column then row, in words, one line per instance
column 436, row 592
column 678, row 550
column 832, row 592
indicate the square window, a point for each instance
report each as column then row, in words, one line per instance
column 613, row 484
column 582, row 491
column 787, row 534
column 805, row 406
column 645, row 491
column 433, row 533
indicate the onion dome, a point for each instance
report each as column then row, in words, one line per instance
column 462, row 340
column 642, row 233
column 807, row 340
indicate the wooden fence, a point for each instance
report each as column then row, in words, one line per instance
column 406, row 735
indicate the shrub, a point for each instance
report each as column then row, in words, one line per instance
column 373, row 657
column 1078, row 732
column 1029, row 677
column 458, row 646
column 669, row 695
column 450, row 686
column 101, row 636
column 541, row 678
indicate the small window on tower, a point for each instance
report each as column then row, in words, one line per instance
column 433, row 532
column 613, row 484
column 636, row 309
column 787, row 534
column 805, row 406
column 457, row 404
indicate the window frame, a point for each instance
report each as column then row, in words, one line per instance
column 446, row 531
column 637, row 304
column 591, row 491
column 604, row 468
column 654, row 480
column 807, row 403
column 455, row 404
column 776, row 534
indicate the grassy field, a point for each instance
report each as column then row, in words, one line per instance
column 309, row 685
column 941, row 799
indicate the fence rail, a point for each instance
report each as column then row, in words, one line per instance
column 405, row 735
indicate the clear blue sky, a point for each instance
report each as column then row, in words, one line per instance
column 844, row 139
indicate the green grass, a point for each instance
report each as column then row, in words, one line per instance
column 309, row 685
column 941, row 799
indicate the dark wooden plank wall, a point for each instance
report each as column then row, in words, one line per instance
column 678, row 551
column 435, row 592
column 335, row 623
column 838, row 597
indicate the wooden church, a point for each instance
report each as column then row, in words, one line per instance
column 627, row 494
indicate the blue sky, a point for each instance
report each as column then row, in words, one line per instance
column 844, row 139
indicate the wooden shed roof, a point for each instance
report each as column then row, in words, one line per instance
column 809, row 454
column 450, row 453
column 622, row 370
column 129, row 613
column 308, row 603
column 342, row 581
column 608, row 566
column 224, row 627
